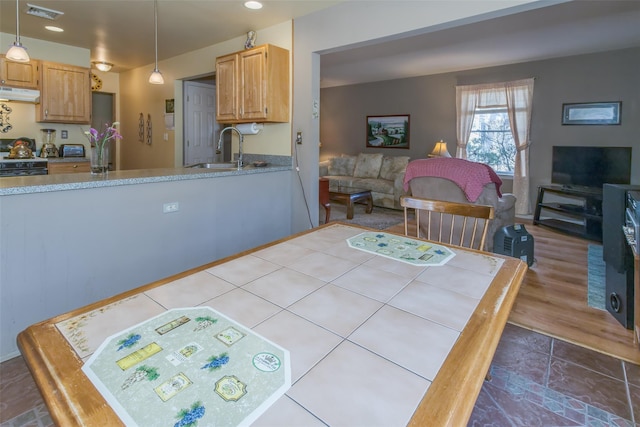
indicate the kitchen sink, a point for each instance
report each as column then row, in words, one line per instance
column 217, row 166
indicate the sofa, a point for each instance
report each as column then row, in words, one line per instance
column 462, row 181
column 382, row 175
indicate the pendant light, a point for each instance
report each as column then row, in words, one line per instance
column 17, row 52
column 156, row 77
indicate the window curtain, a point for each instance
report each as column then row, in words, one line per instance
column 519, row 100
column 516, row 96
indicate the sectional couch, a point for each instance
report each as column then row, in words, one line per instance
column 382, row 175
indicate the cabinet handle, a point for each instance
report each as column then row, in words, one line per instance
column 75, row 166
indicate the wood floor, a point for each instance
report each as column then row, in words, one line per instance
column 553, row 297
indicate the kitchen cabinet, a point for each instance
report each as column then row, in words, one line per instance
column 65, row 166
column 65, row 94
column 20, row 74
column 253, row 86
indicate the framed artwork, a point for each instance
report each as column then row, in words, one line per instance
column 168, row 105
column 591, row 113
column 388, row 131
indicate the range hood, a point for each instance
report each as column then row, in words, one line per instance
column 19, row 94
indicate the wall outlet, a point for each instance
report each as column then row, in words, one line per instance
column 64, row 134
column 171, row 207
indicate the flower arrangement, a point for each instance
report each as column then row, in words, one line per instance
column 98, row 141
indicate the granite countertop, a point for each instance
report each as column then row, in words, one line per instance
column 77, row 181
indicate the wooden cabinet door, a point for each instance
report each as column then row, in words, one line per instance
column 19, row 74
column 227, row 88
column 253, row 85
column 65, row 94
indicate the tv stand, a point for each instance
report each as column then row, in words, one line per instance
column 582, row 219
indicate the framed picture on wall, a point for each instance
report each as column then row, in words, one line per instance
column 168, row 106
column 591, row 113
column 388, row 131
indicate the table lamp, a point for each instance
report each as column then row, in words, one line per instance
column 440, row 150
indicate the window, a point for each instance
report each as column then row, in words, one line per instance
column 491, row 141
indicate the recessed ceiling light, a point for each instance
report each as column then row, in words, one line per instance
column 54, row 29
column 253, row 4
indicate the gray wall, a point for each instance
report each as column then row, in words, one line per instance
column 62, row 250
column 430, row 100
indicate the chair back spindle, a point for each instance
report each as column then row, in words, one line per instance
column 458, row 224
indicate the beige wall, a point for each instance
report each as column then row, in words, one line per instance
column 23, row 115
column 138, row 96
column 134, row 95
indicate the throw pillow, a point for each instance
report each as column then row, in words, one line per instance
column 392, row 166
column 368, row 166
column 342, row 166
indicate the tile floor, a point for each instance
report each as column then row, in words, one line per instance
column 536, row 381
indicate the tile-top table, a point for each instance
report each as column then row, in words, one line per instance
column 373, row 340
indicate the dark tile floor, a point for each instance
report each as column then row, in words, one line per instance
column 541, row 381
column 536, row 381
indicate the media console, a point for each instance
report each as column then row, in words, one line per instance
column 581, row 217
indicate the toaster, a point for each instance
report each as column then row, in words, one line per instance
column 71, row 150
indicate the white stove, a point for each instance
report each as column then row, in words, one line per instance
column 19, row 167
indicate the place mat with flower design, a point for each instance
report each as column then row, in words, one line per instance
column 189, row 366
column 405, row 249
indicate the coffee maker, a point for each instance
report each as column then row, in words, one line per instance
column 48, row 143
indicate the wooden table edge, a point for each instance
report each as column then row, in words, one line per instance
column 451, row 396
column 449, row 408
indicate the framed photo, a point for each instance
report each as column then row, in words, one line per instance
column 168, row 105
column 388, row 131
column 591, row 113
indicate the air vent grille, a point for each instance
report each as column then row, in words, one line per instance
column 43, row 12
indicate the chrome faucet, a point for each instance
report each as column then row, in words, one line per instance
column 240, row 151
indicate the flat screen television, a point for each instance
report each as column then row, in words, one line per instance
column 591, row 166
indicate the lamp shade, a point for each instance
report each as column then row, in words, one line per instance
column 102, row 65
column 156, row 77
column 440, row 150
column 17, row 53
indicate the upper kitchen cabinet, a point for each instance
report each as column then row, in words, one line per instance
column 253, row 86
column 19, row 74
column 65, row 94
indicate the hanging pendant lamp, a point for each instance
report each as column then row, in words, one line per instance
column 17, row 52
column 156, row 77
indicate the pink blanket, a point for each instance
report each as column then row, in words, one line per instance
column 471, row 177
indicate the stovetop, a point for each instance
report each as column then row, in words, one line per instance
column 6, row 142
column 4, row 153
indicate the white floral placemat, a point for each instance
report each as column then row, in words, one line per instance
column 405, row 249
column 187, row 367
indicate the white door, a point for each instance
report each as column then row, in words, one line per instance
column 201, row 129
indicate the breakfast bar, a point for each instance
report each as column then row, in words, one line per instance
column 381, row 329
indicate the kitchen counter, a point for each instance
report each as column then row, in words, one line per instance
column 49, row 183
column 96, row 237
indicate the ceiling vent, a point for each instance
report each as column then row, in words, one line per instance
column 42, row 12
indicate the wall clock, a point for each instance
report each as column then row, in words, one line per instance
column 96, row 82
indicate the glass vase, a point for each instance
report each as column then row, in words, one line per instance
column 100, row 159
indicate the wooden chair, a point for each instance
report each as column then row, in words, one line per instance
column 323, row 194
column 458, row 224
